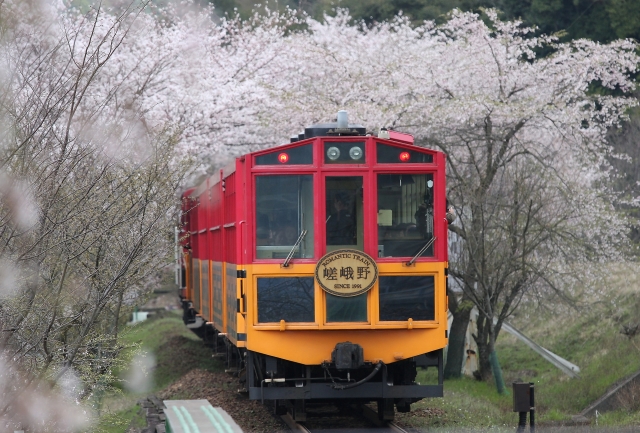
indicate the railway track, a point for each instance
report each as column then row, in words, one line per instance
column 370, row 424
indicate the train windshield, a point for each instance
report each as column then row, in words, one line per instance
column 284, row 208
column 405, row 214
column 344, row 213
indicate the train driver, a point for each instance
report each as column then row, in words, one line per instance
column 340, row 224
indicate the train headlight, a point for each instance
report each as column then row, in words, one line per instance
column 355, row 152
column 333, row 153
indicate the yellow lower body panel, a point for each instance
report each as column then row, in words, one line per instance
column 315, row 347
column 312, row 341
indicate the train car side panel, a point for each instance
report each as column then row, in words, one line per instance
column 204, row 284
column 218, row 297
column 231, row 302
column 196, row 283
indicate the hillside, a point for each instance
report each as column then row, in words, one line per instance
column 591, row 336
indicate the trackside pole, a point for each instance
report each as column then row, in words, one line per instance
column 523, row 402
column 532, row 411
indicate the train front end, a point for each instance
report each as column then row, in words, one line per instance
column 339, row 270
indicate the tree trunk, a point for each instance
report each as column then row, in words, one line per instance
column 457, row 334
column 484, row 349
column 487, row 358
column 496, row 370
column 116, row 319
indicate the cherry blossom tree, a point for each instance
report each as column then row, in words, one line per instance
column 100, row 110
column 527, row 162
column 506, row 117
column 524, row 135
column 87, row 191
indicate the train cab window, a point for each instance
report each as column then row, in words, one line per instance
column 290, row 156
column 345, row 230
column 344, row 213
column 386, row 154
column 405, row 214
column 284, row 209
column 340, row 309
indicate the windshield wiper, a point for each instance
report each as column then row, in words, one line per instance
column 290, row 255
column 427, row 245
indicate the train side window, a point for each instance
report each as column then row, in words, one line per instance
column 405, row 214
column 406, row 297
column 284, row 208
column 344, row 213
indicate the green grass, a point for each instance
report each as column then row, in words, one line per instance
column 121, row 421
column 176, row 351
column 589, row 337
column 467, row 403
column 617, row 418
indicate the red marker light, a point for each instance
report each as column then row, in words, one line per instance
column 405, row 156
column 283, row 158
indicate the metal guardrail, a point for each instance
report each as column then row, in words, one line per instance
column 567, row 367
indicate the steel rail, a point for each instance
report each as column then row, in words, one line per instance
column 395, row 427
column 293, row 425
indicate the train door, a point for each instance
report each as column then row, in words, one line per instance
column 344, row 221
column 344, row 213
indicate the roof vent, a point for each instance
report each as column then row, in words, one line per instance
column 343, row 119
column 341, row 128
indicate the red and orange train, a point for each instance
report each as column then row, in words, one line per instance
column 322, row 265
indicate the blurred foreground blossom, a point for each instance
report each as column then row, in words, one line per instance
column 87, row 194
column 19, row 202
column 8, row 283
column 32, row 405
column 139, row 376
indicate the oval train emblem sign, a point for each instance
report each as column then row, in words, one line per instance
column 346, row 273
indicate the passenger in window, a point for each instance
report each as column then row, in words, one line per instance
column 411, row 232
column 263, row 230
column 340, row 224
column 286, row 234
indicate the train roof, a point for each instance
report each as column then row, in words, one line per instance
column 340, row 129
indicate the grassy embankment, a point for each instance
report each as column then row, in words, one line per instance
column 589, row 337
column 175, row 351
